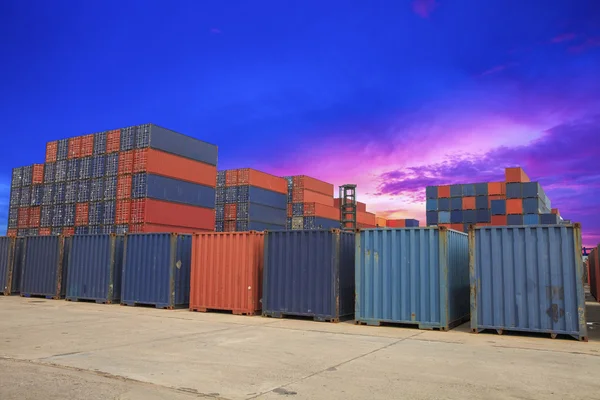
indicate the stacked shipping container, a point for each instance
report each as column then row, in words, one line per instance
column 310, row 204
column 364, row 219
column 517, row 201
column 250, row 200
column 140, row 179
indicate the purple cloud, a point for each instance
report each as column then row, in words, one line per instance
column 424, row 8
column 565, row 37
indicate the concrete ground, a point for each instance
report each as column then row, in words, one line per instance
column 60, row 350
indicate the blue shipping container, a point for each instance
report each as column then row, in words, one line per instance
column 444, row 204
column 46, row 216
column 514, row 191
column 457, row 191
column 531, row 219
column 297, row 209
column 528, row 279
column 97, row 189
column 15, row 197
column 431, row 192
column 98, row 166
column 173, row 190
column 49, row 172
column 96, row 213
column 432, row 218
column 85, row 168
column 309, row 273
column 482, row 202
column 112, row 164
column 73, row 169
column 108, row 209
column 110, row 188
column 71, row 192
column 468, row 190
column 533, row 206
column 456, row 217
column 59, row 193
column 25, row 199
column 262, row 196
column 243, row 226
column 444, row 217
column 456, row 203
column 470, row 216
column 48, row 194
column 156, row 269
column 412, row 276
column 549, row 219
column 514, row 219
column 484, row 216
column 17, row 177
column 13, row 217
column 99, row 143
column 62, row 151
column 431, row 204
column 26, row 175
column 260, row 213
column 128, row 138
column 481, row 189
column 498, row 207
column 7, row 264
column 411, row 223
column 95, row 266
column 37, row 193
column 58, row 216
column 44, row 271
column 60, row 174
column 159, row 138
column 231, row 194
column 321, row 223
column 532, row 190
column 83, row 192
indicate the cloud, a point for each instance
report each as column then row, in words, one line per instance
column 215, row 31
column 498, row 68
column 588, row 44
column 565, row 37
column 424, row 8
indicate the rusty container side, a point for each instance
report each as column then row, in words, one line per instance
column 412, row 276
column 44, row 271
column 527, row 279
column 594, row 272
column 95, row 265
column 309, row 273
column 227, row 272
column 156, row 270
column 7, row 264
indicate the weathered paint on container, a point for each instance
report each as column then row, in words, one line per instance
column 7, row 264
column 226, row 272
column 309, row 273
column 156, row 270
column 95, row 265
column 527, row 279
column 412, row 276
column 44, row 266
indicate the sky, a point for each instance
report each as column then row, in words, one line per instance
column 390, row 95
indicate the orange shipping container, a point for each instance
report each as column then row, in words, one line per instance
column 231, row 177
column 362, row 207
column 499, row 220
column 381, row 222
column 514, row 206
column 366, row 218
column 126, row 162
column 123, row 212
column 165, row 164
column 315, row 185
column 11, row 233
column 75, row 147
column 113, row 141
column 34, row 217
column 124, row 187
column 396, row 223
column 155, row 228
column 457, row 227
column 37, row 176
column 172, row 214
column 514, row 175
column 290, row 210
column 229, row 226
column 444, row 191
column 68, row 231
column 555, row 211
column 87, row 145
column 252, row 177
column 308, row 196
column 81, row 214
column 51, row 151
column 230, row 211
column 45, row 231
column 321, row 210
column 468, row 203
column 23, row 217
column 496, row 188
column 226, row 272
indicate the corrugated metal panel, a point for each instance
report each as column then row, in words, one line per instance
column 43, row 266
column 412, row 276
column 49, row 172
column 498, row 207
column 309, row 273
column 173, row 190
column 73, row 169
column 85, row 168
column 95, row 265
column 528, row 279
column 60, row 174
column 7, row 262
column 514, row 191
column 261, row 196
column 594, row 272
column 156, row 269
column 226, row 272
column 260, row 213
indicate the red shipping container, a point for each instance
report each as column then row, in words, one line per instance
column 321, row 210
column 366, row 219
column 37, row 176
column 34, row 217
column 229, row 226
column 515, row 175
column 68, row 231
column 499, row 220
column 396, row 223
column 444, row 191
column 457, row 227
column 230, row 211
column 381, row 222
column 172, row 166
column 51, row 151
column 231, row 177
column 11, row 233
column 496, row 188
column 126, row 162
column 81, row 214
column 362, row 207
column 155, row 228
column 252, row 177
column 87, row 145
column 124, row 187
column 123, row 212
column 45, row 232
column 289, row 210
column 226, row 272
column 165, row 213
column 312, row 184
column 23, row 218
column 75, row 147
column 468, row 203
column 307, row 196
column 113, row 141
column 514, row 206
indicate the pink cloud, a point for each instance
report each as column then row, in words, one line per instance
column 424, row 8
column 565, row 37
column 585, row 46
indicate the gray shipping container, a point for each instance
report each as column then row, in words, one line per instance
column 95, row 266
column 414, row 276
column 7, row 262
column 44, row 267
column 309, row 273
column 528, row 279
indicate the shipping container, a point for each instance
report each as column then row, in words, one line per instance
column 124, row 183
column 431, row 192
column 113, row 141
column 497, row 188
column 69, row 215
column 514, row 206
column 226, row 272
column 481, row 189
column 97, row 189
column 456, row 203
column 49, row 172
column 87, row 146
column 312, row 184
column 85, row 168
column 110, row 188
column 499, row 220
column 98, row 166
column 127, row 138
column 99, row 143
column 23, row 217
column 533, row 206
column 46, row 217
column 309, row 273
column 172, row 166
column 82, row 230
column 498, row 207
column 549, row 219
column 514, row 190
column 321, row 210
column 13, row 217
column 381, row 222
column 527, row 279
column 125, row 162
column 397, row 223
column 34, row 217
column 7, row 265
column 108, row 210
column 259, row 179
column 37, row 192
column 231, row 194
column 60, row 174
column 412, row 276
column 444, row 217
column 15, row 197
column 71, row 192
column 230, row 211
column 531, row 219
column 321, row 223
column 73, row 169
column 514, row 219
column 432, row 218
column 82, row 214
column 456, row 217
column 594, row 272
column 44, row 267
column 51, row 151
column 58, row 215
column 83, row 191
column 481, row 202
column 62, row 152
column 37, row 176
column 432, row 204
column 470, row 216
column 256, row 195
column 166, row 213
column 95, row 265
column 515, row 175
column 484, row 216
column 172, row 190
column 156, row 270
column 468, row 190
column 260, row 213
column 111, row 164
column 469, row 203
column 25, row 199
column 27, row 175
column 74, row 147
column 448, row 191
column 308, row 196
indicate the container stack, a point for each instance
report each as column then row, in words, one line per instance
column 250, row 200
column 138, row 179
column 364, row 219
column 516, row 201
column 310, row 204
column 402, row 223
